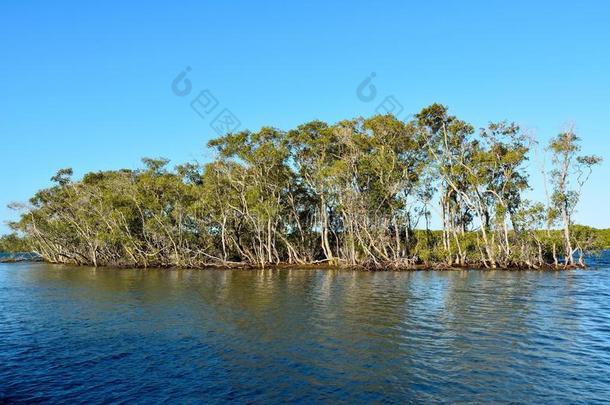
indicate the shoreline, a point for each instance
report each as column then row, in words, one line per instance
column 311, row 266
column 20, row 258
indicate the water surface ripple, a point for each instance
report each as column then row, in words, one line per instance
column 83, row 335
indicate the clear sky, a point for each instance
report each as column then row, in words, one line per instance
column 88, row 85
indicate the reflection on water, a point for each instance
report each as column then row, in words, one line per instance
column 279, row 335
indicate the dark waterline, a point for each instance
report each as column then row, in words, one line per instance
column 80, row 334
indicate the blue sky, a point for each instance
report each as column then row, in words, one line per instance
column 88, row 85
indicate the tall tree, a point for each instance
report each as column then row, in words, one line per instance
column 569, row 174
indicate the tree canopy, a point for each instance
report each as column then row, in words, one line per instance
column 359, row 192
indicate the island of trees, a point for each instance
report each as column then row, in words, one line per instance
column 360, row 192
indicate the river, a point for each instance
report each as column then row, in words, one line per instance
column 71, row 334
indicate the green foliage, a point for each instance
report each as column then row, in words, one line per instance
column 569, row 174
column 350, row 193
column 13, row 243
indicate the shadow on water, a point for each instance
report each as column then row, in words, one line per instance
column 280, row 335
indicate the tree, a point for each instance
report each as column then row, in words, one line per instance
column 350, row 193
column 568, row 168
column 13, row 243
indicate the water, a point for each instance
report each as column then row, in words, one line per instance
column 85, row 335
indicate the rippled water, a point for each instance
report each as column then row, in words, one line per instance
column 80, row 334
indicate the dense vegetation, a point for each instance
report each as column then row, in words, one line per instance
column 13, row 244
column 360, row 192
